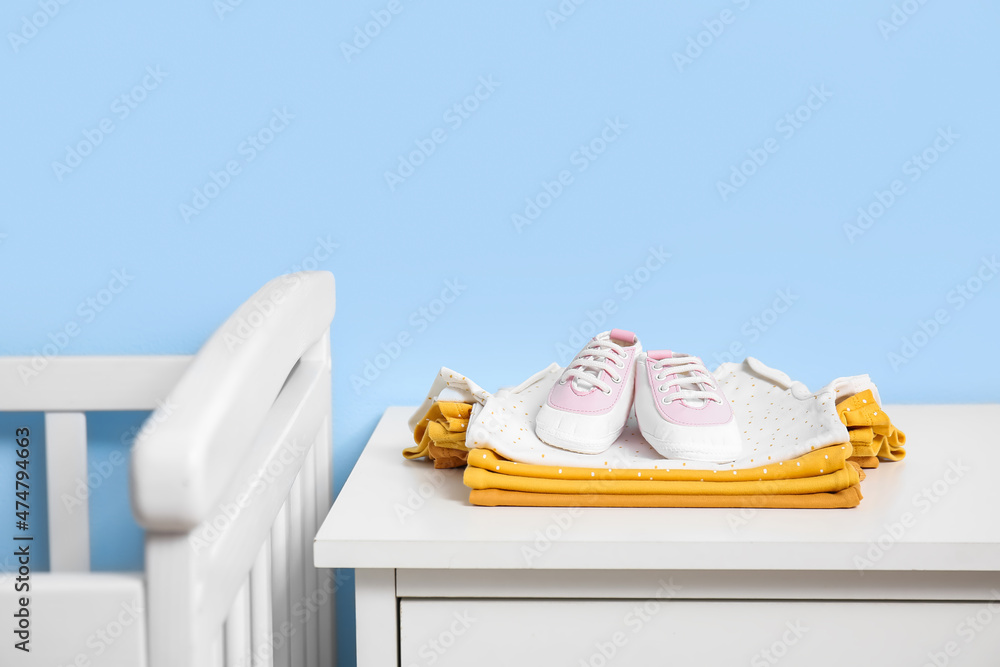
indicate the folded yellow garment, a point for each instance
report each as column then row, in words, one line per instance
column 849, row 497
column 817, row 462
column 445, row 457
column 444, row 425
column 865, row 461
column 862, row 441
column 872, row 432
column 837, row 480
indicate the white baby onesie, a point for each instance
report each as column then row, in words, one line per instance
column 779, row 419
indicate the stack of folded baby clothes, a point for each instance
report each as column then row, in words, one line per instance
column 796, row 448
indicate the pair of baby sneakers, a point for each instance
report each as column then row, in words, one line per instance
column 679, row 407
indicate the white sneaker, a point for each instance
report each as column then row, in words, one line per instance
column 587, row 408
column 681, row 411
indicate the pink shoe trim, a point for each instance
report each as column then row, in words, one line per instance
column 622, row 335
column 594, row 401
column 677, row 412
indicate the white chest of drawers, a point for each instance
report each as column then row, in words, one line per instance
column 911, row 577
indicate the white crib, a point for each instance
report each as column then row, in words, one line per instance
column 230, row 477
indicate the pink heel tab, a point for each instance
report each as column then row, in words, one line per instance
column 659, row 354
column 626, row 337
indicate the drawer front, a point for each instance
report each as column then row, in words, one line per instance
column 603, row 633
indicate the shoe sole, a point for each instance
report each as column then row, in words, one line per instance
column 562, row 441
column 669, row 451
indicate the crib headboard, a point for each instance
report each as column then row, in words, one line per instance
column 231, row 486
column 230, row 477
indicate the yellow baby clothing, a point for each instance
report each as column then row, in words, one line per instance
column 643, row 484
column 872, row 433
column 440, row 435
column 444, row 457
column 815, row 463
column 846, row 498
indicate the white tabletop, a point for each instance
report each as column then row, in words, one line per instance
column 936, row 510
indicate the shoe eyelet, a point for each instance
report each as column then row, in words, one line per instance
column 607, row 393
column 661, row 378
column 665, row 401
column 562, row 381
column 616, row 380
column 619, row 364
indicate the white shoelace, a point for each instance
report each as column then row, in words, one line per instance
column 695, row 384
column 586, row 367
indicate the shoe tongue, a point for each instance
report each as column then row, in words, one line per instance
column 622, row 337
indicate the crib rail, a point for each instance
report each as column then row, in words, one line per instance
column 238, row 562
column 180, row 470
column 232, row 485
column 231, row 476
column 88, row 384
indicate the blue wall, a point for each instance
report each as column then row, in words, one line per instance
column 690, row 168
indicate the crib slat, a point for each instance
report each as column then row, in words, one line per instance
column 238, row 629
column 260, row 608
column 325, row 583
column 217, row 651
column 308, row 533
column 279, row 589
column 296, row 571
column 66, row 471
